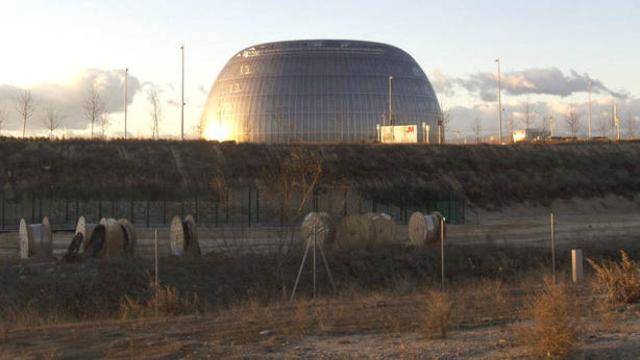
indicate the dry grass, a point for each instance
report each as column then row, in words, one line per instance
column 438, row 315
column 555, row 327
column 620, row 281
column 166, row 301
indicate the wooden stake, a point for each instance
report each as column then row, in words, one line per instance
column 442, row 252
column 553, row 248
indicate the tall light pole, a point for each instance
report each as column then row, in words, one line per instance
column 182, row 98
column 590, row 87
column 391, row 122
column 126, row 99
column 499, row 102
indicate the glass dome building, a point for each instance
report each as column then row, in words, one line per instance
column 317, row 91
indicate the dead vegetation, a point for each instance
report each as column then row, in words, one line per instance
column 554, row 322
column 438, row 315
column 165, row 301
column 619, row 280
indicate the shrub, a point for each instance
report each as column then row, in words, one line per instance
column 619, row 280
column 554, row 328
column 438, row 314
column 165, row 301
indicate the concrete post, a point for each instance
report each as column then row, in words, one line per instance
column 577, row 270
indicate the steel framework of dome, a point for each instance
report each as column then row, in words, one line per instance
column 318, row 91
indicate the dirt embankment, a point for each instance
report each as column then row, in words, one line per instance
column 408, row 175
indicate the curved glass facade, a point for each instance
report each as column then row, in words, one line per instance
column 318, row 91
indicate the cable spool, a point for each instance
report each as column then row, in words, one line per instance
column 354, row 232
column 424, row 229
column 84, row 229
column 129, row 232
column 183, row 237
column 384, row 228
column 35, row 240
column 114, row 244
column 323, row 225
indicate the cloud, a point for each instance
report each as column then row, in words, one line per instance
column 442, row 84
column 462, row 117
column 68, row 98
column 536, row 81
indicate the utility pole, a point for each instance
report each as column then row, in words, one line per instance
column 126, row 99
column 182, row 98
column 499, row 102
column 391, row 120
column 590, row 87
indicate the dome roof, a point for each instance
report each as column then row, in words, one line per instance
column 317, row 91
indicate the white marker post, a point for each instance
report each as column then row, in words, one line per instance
column 577, row 269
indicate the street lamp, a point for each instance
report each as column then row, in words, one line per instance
column 499, row 102
column 126, row 100
column 391, row 122
column 182, row 98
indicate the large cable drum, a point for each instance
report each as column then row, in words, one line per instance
column 130, row 240
column 183, row 237
column 35, row 240
column 384, row 228
column 322, row 224
column 86, row 230
column 354, row 232
column 425, row 229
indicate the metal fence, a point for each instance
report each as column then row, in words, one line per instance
column 246, row 207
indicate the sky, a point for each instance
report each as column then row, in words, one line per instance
column 549, row 51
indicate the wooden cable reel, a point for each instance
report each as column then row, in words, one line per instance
column 183, row 237
column 323, row 225
column 384, row 228
column 35, row 240
column 425, row 229
column 106, row 239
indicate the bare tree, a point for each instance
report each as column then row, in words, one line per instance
column 573, row 121
column 94, row 106
column 52, row 120
column 630, row 125
column 510, row 126
column 477, row 128
column 443, row 123
column 103, row 121
column 25, row 106
column 604, row 125
column 4, row 117
column 153, row 96
column 527, row 112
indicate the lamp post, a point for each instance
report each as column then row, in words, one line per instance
column 182, row 98
column 126, row 100
column 391, row 120
column 499, row 102
column 590, row 87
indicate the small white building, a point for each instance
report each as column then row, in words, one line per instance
column 530, row 135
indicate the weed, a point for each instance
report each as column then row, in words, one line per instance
column 619, row 280
column 554, row 328
column 438, row 314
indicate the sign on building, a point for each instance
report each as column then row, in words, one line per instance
column 399, row 134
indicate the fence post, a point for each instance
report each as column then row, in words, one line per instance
column 553, row 248
column 249, row 209
column 257, row 205
column 577, row 270
column 196, row 209
column 442, row 252
column 164, row 212
column 3, row 211
column 147, row 214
